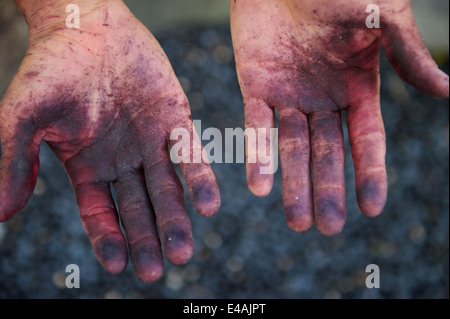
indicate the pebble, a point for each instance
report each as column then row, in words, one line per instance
column 213, row 240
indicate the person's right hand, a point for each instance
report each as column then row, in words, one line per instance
column 105, row 98
column 311, row 60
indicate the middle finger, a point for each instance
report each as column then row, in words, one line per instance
column 328, row 159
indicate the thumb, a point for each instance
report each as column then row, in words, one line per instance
column 409, row 55
column 19, row 163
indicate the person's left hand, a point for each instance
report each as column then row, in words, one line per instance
column 313, row 60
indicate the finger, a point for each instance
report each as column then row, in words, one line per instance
column 409, row 55
column 368, row 145
column 99, row 219
column 295, row 154
column 19, row 165
column 139, row 222
column 259, row 120
column 328, row 159
column 166, row 195
column 200, row 179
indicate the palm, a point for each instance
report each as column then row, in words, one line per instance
column 106, row 102
column 311, row 60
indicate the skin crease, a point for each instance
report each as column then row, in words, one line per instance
column 105, row 99
column 311, row 60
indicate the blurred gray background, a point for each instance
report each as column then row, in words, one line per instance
column 247, row 251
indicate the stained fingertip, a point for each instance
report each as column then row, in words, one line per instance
column 178, row 243
column 259, row 118
column 150, row 274
column 299, row 219
column 372, row 195
column 15, row 200
column 148, row 264
column 206, row 198
column 112, row 253
column 331, row 216
column 8, row 213
column 436, row 83
column 259, row 184
column 443, row 90
column 3, row 214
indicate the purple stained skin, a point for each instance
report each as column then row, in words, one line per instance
column 312, row 60
column 105, row 99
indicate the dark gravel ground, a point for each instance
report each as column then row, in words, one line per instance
column 247, row 251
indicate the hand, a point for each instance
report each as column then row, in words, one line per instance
column 311, row 60
column 105, row 99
